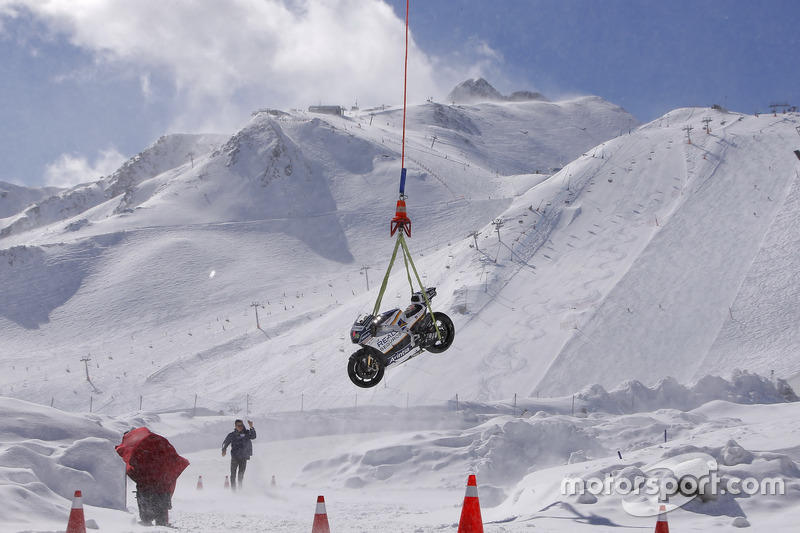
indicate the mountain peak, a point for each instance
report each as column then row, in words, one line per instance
column 474, row 90
column 479, row 90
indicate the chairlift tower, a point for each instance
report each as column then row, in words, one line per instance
column 688, row 130
column 257, row 305
column 775, row 105
column 706, row 121
column 365, row 270
column 497, row 223
column 85, row 361
column 474, row 235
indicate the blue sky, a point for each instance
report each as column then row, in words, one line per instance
column 85, row 85
column 647, row 56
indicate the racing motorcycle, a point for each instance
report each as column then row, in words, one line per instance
column 393, row 337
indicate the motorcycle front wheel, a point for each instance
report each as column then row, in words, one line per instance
column 365, row 368
column 447, row 331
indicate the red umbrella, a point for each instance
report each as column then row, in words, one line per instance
column 151, row 460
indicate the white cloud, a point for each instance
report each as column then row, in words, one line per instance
column 482, row 61
column 228, row 57
column 147, row 90
column 72, row 169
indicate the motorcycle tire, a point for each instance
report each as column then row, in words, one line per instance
column 446, row 330
column 365, row 368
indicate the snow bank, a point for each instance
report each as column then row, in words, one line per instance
column 521, row 452
column 46, row 455
column 503, row 449
column 633, row 396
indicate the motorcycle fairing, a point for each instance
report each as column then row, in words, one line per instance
column 399, row 356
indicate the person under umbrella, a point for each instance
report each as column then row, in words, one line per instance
column 154, row 465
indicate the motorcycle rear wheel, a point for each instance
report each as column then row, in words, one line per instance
column 365, row 368
column 446, row 330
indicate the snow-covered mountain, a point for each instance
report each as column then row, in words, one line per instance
column 620, row 256
column 41, row 209
column 574, row 249
column 15, row 198
column 160, row 261
column 479, row 90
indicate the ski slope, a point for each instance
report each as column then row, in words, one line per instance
column 702, row 233
column 285, row 213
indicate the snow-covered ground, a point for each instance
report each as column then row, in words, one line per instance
column 401, row 469
column 606, row 252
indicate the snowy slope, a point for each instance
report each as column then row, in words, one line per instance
column 713, row 212
column 285, row 213
column 628, row 263
column 167, row 153
column 643, row 257
column 14, row 198
column 633, row 255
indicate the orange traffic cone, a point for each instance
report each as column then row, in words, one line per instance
column 661, row 525
column 321, row 518
column 471, row 521
column 227, row 482
column 200, row 483
column 77, row 522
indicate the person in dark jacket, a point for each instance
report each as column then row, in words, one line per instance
column 241, row 450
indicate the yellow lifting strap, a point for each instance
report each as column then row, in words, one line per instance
column 401, row 244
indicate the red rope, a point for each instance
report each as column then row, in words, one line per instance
column 405, row 92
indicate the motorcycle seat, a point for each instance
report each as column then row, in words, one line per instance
column 413, row 309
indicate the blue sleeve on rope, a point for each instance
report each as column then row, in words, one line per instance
column 403, row 181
